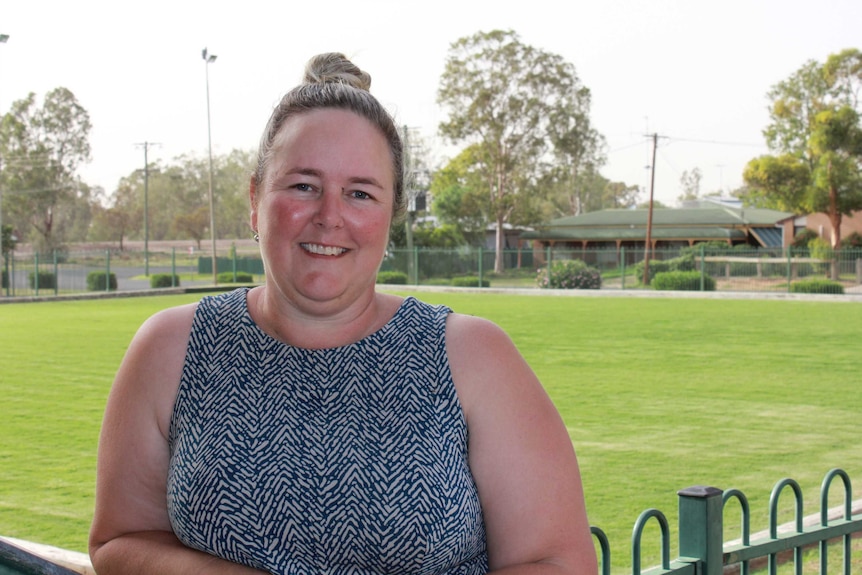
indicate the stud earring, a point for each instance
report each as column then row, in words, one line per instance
column 256, row 237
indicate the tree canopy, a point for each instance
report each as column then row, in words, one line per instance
column 514, row 107
column 815, row 138
column 42, row 147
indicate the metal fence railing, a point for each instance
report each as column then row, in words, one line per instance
column 721, row 269
column 703, row 550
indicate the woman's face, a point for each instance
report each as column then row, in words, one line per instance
column 324, row 207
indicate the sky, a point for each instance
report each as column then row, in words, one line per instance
column 694, row 72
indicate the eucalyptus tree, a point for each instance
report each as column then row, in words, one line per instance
column 516, row 106
column 42, row 147
column 815, row 137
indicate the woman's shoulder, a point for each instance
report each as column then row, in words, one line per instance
column 168, row 323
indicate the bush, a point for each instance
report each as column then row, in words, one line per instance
column 392, row 277
column 470, row 281
column 96, row 281
column 47, row 280
column 569, row 274
column 241, row 277
column 683, row 263
column 803, row 238
column 817, row 286
column 852, row 241
column 682, row 281
column 164, row 280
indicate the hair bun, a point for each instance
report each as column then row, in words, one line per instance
column 334, row 67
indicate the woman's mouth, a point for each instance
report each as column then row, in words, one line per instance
column 323, row 250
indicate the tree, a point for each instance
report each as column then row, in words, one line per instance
column 690, row 183
column 193, row 225
column 578, row 149
column 816, row 136
column 591, row 193
column 511, row 102
column 42, row 148
column 178, row 191
column 460, row 195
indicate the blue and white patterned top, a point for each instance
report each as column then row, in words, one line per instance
column 349, row 460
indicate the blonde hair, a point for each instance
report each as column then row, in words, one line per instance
column 331, row 80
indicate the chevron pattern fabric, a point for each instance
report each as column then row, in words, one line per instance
column 349, row 460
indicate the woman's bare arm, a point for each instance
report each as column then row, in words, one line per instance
column 521, row 457
column 131, row 531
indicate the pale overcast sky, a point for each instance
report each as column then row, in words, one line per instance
column 695, row 72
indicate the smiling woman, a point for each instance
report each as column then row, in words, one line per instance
column 315, row 425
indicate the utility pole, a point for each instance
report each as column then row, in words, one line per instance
column 146, row 146
column 648, row 242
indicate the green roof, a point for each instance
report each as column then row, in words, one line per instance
column 705, row 223
column 632, row 234
column 673, row 217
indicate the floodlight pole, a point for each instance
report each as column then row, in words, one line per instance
column 3, row 39
column 208, row 59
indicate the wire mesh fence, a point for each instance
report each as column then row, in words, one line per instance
column 697, row 268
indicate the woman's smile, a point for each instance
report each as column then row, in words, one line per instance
column 322, row 250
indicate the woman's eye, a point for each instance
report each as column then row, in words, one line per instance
column 360, row 195
column 303, row 187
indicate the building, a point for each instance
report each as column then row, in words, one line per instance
column 670, row 228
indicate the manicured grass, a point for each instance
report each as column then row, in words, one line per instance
column 658, row 395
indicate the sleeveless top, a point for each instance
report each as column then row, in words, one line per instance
column 348, row 460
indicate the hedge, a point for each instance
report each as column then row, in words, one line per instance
column 96, row 281
column 164, row 280
column 392, row 277
column 682, row 281
column 817, row 286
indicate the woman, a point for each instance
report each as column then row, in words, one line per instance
column 313, row 425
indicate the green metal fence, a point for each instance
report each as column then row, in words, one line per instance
column 723, row 269
column 67, row 273
column 703, row 551
column 702, row 548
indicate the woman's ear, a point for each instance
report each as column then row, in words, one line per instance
column 253, row 199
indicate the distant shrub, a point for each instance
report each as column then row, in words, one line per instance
column 683, row 263
column 470, row 281
column 803, row 238
column 164, row 280
column 392, row 277
column 47, row 280
column 817, row 286
column 569, row 274
column 820, row 249
column 852, row 241
column 96, row 281
column 241, row 277
column 682, row 281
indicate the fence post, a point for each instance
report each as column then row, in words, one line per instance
column 481, row 262
column 233, row 259
column 623, row 268
column 859, row 270
column 789, row 267
column 700, row 527
column 36, row 272
column 702, row 267
column 548, row 264
column 56, row 277
column 173, row 267
column 107, row 270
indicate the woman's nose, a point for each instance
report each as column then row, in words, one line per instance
column 329, row 212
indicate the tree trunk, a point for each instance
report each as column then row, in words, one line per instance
column 835, row 220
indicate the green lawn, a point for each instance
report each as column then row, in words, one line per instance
column 658, row 395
